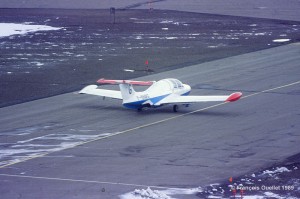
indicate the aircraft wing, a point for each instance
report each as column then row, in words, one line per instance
column 177, row 99
column 94, row 90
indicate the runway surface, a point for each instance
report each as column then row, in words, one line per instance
column 78, row 146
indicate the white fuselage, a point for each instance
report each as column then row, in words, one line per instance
column 154, row 94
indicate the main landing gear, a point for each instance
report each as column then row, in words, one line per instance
column 175, row 108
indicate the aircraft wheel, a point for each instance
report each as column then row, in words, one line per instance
column 139, row 109
column 175, row 108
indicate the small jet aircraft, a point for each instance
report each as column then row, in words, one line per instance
column 163, row 92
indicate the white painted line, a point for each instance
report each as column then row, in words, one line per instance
column 271, row 89
column 88, row 181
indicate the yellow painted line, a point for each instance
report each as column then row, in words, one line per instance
column 145, row 125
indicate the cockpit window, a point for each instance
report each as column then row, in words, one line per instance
column 176, row 83
column 179, row 83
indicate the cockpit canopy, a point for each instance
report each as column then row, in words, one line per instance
column 167, row 84
column 174, row 83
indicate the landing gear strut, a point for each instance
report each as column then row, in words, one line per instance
column 175, row 108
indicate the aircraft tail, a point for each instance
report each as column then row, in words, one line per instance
column 127, row 91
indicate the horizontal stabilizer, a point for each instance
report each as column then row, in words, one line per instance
column 139, row 83
column 93, row 90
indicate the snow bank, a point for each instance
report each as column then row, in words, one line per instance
column 8, row 29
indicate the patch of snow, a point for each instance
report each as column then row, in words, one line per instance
column 128, row 70
column 145, row 194
column 273, row 195
column 281, row 40
column 79, row 55
column 166, row 22
column 260, row 33
column 183, row 191
column 37, row 146
column 159, row 194
column 171, row 37
column 277, row 170
column 8, row 29
column 253, row 197
column 37, row 63
column 247, row 34
column 144, row 22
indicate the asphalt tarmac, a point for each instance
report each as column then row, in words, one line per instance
column 78, row 146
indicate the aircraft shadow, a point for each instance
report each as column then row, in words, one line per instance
column 163, row 110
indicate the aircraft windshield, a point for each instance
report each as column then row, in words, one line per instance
column 176, row 83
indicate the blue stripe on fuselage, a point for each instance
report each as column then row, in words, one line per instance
column 185, row 94
column 139, row 104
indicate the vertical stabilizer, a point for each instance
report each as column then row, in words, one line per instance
column 127, row 92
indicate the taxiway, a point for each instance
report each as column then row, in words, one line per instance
column 83, row 147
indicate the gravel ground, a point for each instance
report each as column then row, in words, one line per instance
column 89, row 46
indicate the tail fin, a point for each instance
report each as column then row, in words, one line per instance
column 127, row 92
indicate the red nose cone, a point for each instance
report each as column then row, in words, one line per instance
column 234, row 97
